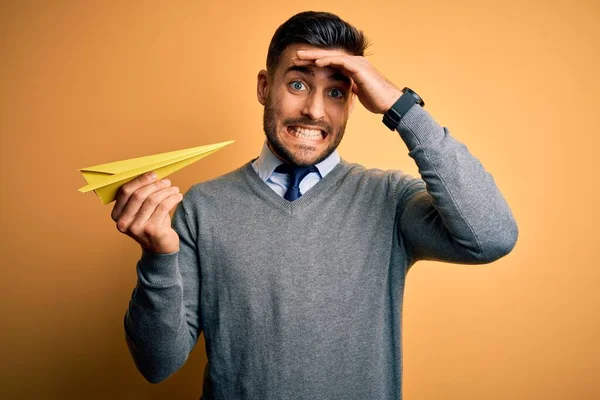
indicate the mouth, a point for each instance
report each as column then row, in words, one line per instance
column 306, row 133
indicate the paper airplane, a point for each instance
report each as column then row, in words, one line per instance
column 106, row 179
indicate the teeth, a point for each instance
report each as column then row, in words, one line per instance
column 305, row 133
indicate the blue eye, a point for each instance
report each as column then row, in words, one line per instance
column 341, row 94
column 297, row 85
column 334, row 93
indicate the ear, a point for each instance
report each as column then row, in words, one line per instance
column 353, row 97
column 262, row 86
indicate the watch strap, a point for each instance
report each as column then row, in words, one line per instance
column 409, row 98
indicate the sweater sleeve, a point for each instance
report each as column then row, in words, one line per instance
column 162, row 322
column 455, row 213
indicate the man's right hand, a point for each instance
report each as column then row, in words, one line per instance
column 142, row 212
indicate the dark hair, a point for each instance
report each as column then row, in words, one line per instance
column 316, row 28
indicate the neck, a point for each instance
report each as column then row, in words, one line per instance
column 275, row 153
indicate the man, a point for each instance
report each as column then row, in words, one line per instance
column 294, row 264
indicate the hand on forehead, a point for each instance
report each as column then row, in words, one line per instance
column 307, row 55
column 322, row 58
column 374, row 90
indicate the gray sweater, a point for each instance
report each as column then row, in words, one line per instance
column 303, row 300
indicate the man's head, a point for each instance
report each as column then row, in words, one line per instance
column 307, row 107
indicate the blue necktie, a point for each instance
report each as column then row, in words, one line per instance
column 296, row 175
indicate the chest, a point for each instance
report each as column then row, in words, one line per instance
column 314, row 249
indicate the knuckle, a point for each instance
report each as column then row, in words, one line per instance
column 151, row 201
column 136, row 229
column 149, row 230
column 126, row 190
column 122, row 226
column 164, row 207
column 138, row 196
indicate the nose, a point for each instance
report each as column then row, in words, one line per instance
column 314, row 107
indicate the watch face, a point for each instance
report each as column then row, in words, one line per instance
column 419, row 99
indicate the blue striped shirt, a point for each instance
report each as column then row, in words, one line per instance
column 266, row 163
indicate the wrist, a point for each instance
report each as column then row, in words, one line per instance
column 408, row 99
column 392, row 99
column 158, row 270
column 162, row 250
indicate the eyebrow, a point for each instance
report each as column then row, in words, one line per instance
column 336, row 76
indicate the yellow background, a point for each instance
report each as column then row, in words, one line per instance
column 84, row 83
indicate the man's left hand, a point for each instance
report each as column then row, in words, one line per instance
column 374, row 91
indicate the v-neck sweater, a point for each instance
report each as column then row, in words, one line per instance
column 303, row 299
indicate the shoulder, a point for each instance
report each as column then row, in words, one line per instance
column 219, row 186
column 376, row 175
column 394, row 183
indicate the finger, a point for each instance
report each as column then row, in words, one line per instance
column 159, row 216
column 136, row 200
column 298, row 61
column 152, row 201
column 177, row 201
column 127, row 190
column 345, row 63
column 315, row 54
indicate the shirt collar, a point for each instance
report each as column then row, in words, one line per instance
column 267, row 162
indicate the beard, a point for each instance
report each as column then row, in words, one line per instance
column 302, row 154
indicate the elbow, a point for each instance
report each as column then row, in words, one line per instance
column 155, row 368
column 508, row 238
column 154, row 378
column 152, row 369
column 500, row 244
column 150, row 376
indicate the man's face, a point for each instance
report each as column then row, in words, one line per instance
column 306, row 108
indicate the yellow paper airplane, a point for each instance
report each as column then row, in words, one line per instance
column 106, row 179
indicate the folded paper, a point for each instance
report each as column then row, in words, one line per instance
column 106, row 179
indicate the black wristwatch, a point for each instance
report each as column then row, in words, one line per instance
column 392, row 117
